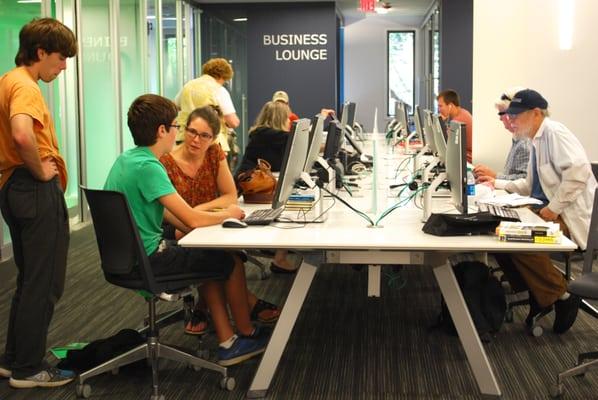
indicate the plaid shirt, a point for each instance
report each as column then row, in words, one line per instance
column 516, row 164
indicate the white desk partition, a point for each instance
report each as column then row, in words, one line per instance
column 345, row 239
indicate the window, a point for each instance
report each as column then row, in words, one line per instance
column 401, row 69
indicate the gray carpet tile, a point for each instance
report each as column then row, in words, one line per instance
column 344, row 345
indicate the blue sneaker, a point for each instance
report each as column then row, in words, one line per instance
column 51, row 377
column 242, row 349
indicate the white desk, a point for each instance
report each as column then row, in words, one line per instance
column 345, row 239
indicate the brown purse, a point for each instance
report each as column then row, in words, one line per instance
column 257, row 185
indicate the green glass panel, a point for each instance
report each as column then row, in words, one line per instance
column 98, row 92
column 132, row 68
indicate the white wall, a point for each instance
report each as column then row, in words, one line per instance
column 365, row 63
column 517, row 43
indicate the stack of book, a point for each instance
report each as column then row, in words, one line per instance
column 300, row 202
column 545, row 232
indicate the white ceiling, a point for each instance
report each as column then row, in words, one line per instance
column 404, row 12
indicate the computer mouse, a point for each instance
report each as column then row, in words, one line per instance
column 233, row 223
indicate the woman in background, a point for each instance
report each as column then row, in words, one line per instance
column 199, row 172
column 267, row 141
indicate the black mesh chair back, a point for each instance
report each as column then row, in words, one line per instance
column 126, row 264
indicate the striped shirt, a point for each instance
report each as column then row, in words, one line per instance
column 516, row 164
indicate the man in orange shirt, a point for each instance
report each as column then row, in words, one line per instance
column 449, row 108
column 32, row 201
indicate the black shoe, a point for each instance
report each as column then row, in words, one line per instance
column 565, row 313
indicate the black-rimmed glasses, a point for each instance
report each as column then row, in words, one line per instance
column 202, row 135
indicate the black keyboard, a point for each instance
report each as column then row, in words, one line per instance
column 263, row 216
column 504, row 213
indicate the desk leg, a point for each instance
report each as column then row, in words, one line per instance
column 374, row 276
column 282, row 331
column 468, row 335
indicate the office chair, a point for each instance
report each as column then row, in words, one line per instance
column 586, row 287
column 125, row 264
column 579, row 255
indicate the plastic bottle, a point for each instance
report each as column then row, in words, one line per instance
column 470, row 182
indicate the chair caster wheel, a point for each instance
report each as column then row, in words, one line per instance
column 536, row 330
column 228, row 383
column 83, row 391
column 557, row 390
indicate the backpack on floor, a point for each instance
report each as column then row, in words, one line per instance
column 484, row 296
column 101, row 350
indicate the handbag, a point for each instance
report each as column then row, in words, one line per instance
column 257, row 185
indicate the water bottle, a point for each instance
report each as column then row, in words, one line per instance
column 470, row 185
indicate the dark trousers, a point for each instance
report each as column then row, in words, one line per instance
column 37, row 217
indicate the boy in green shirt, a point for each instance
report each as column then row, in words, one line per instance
column 139, row 175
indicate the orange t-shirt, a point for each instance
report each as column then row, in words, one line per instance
column 20, row 94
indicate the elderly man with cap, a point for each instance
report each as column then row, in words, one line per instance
column 560, row 175
column 518, row 157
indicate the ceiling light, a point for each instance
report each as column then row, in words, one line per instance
column 240, row 19
column 382, row 7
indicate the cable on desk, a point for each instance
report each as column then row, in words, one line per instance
column 360, row 213
column 399, row 204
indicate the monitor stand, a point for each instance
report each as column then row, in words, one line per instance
column 428, row 195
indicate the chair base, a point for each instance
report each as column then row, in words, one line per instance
column 153, row 351
column 558, row 389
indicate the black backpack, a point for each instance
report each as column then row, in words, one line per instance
column 484, row 296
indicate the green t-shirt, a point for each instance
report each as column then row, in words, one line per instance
column 139, row 175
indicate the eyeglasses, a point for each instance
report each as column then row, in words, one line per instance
column 501, row 113
column 202, row 135
column 175, row 126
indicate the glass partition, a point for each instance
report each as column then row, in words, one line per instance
column 99, row 95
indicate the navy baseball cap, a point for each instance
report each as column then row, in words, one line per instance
column 525, row 100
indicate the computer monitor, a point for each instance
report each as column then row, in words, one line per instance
column 401, row 117
column 428, row 131
column 333, row 140
column 348, row 115
column 293, row 161
column 316, row 134
column 456, row 165
column 418, row 116
column 356, row 146
column 439, row 139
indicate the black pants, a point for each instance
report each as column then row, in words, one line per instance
column 37, row 217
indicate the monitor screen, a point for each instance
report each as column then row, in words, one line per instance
column 333, row 140
column 316, row 134
column 293, row 161
column 401, row 117
column 418, row 117
column 348, row 115
column 428, row 132
column 353, row 143
column 439, row 139
column 456, row 165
